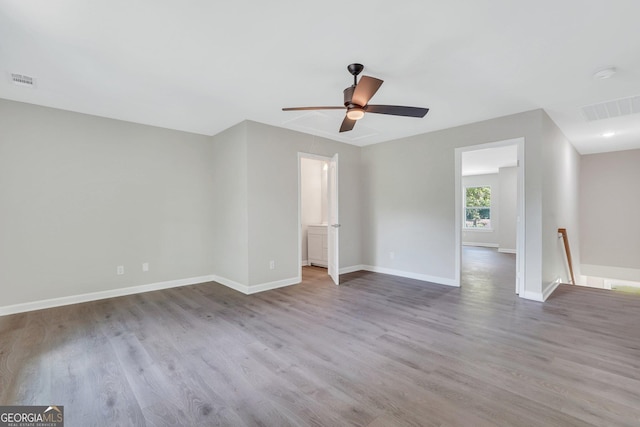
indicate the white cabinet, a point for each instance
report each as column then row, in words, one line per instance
column 317, row 245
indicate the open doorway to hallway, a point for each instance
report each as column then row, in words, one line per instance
column 490, row 207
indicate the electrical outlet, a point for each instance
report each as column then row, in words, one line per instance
column 145, row 266
column 120, row 270
column 272, row 265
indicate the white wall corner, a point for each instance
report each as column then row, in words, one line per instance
column 95, row 296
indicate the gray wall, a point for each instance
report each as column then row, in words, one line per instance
column 230, row 220
column 487, row 238
column 560, row 202
column 508, row 209
column 610, row 215
column 273, row 202
column 81, row 195
column 409, row 197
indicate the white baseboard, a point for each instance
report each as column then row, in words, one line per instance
column 480, row 244
column 273, row 285
column 305, row 262
column 411, row 275
column 542, row 296
column 617, row 273
column 550, row 288
column 253, row 289
column 352, row 269
column 533, row 296
column 94, row 296
column 507, row 251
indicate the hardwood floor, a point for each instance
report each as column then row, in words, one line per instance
column 376, row 351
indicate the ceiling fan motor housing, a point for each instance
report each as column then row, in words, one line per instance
column 348, row 96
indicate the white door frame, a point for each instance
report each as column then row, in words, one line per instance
column 301, row 156
column 520, row 224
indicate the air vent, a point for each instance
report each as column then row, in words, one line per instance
column 22, row 80
column 615, row 108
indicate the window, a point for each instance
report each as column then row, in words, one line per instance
column 477, row 205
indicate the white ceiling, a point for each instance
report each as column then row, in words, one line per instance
column 488, row 160
column 203, row 66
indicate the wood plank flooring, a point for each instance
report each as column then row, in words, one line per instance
column 377, row 351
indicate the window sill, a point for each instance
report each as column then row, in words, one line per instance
column 481, row 230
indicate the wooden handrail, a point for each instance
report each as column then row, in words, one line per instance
column 563, row 232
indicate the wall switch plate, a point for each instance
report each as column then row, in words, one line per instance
column 145, row 266
column 272, row 265
column 120, row 270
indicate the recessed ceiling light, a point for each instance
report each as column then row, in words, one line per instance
column 605, row 73
column 608, row 134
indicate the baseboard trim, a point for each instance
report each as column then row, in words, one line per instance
column 254, row 289
column 411, row 275
column 542, row 296
column 550, row 288
column 352, row 269
column 95, row 296
column 507, row 251
column 481, row 245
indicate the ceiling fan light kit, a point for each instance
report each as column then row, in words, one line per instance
column 356, row 101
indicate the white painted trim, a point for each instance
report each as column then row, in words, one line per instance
column 94, row 296
column 521, row 228
column 411, row 275
column 352, row 269
column 533, row 296
column 550, row 288
column 605, row 271
column 253, row 289
column 507, row 251
column 480, row 244
column 232, row 284
column 305, row 263
column 542, row 296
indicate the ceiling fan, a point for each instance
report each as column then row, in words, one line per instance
column 356, row 101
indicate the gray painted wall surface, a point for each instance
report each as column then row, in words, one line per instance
column 609, row 215
column 273, row 203
column 230, row 220
column 561, row 176
column 409, row 196
column 508, row 208
column 81, row 195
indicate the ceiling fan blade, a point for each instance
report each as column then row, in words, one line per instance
column 365, row 89
column 397, row 110
column 312, row 108
column 347, row 124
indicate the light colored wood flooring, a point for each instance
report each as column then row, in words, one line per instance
column 376, row 351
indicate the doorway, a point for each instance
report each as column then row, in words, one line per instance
column 318, row 238
column 490, row 202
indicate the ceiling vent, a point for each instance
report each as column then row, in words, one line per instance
column 609, row 109
column 22, row 80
